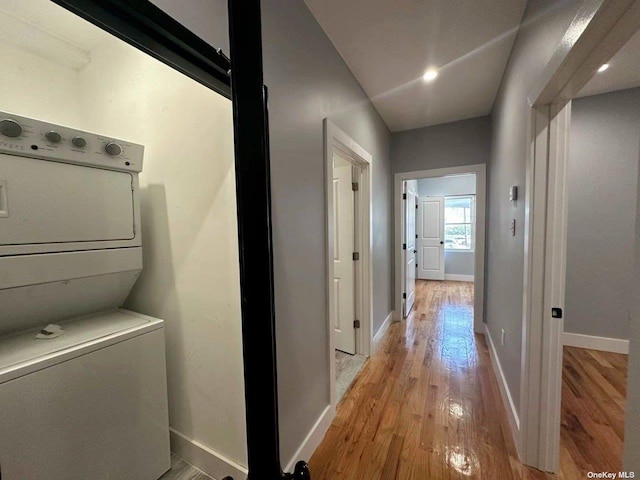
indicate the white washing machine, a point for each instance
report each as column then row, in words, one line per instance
column 91, row 403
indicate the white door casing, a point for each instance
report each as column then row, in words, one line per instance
column 409, row 247
column 430, row 241
column 343, row 264
column 337, row 142
column 480, row 171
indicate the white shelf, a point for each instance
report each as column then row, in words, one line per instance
column 21, row 353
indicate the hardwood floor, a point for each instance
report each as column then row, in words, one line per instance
column 594, row 386
column 426, row 405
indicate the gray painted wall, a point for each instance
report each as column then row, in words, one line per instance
column 466, row 142
column 308, row 81
column 443, row 186
column 543, row 26
column 604, row 153
column 455, row 263
column 458, row 263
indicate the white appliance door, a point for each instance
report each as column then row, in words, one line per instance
column 343, row 267
column 98, row 416
column 47, row 202
column 431, row 238
column 410, row 251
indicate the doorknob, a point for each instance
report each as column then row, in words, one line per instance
column 441, row 242
column 415, row 251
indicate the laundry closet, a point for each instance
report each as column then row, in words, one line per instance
column 120, row 332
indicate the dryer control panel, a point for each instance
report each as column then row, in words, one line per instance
column 36, row 139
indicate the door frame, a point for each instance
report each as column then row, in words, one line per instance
column 480, row 170
column 336, row 140
column 405, row 242
column 597, row 32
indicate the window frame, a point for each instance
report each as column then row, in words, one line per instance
column 471, row 223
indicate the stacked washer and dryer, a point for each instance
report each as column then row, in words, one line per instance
column 90, row 403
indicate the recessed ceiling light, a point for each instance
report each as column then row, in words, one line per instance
column 603, row 67
column 430, row 75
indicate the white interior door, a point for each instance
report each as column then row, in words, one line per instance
column 409, row 248
column 431, row 238
column 343, row 263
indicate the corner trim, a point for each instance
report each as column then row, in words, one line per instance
column 454, row 277
column 505, row 393
column 313, row 438
column 383, row 328
column 204, row 458
column 604, row 344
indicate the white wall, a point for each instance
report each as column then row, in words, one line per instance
column 35, row 87
column 455, row 263
column 190, row 277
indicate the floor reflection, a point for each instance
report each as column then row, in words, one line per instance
column 426, row 405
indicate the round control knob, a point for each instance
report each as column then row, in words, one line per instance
column 113, row 149
column 79, row 142
column 53, row 136
column 10, row 128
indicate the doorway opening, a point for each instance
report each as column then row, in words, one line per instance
column 439, row 232
column 582, row 179
column 348, row 207
column 440, row 223
column 603, row 146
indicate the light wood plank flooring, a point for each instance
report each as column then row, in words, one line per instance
column 426, row 405
column 594, row 389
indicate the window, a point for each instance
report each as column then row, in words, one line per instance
column 459, row 215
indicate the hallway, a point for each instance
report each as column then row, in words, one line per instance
column 426, row 405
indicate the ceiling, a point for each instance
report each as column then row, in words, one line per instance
column 388, row 45
column 623, row 71
column 49, row 31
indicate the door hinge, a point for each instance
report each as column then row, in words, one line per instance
column 356, row 256
column 416, row 206
column 404, row 295
column 416, row 236
column 404, row 196
column 354, row 186
column 556, row 312
column 404, row 246
column 356, row 324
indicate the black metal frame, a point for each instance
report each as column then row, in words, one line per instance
column 253, row 187
column 145, row 26
column 148, row 28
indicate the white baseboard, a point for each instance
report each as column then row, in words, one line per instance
column 458, row 278
column 512, row 413
column 605, row 344
column 200, row 456
column 313, row 438
column 383, row 327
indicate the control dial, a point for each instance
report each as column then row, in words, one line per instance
column 10, row 128
column 53, row 136
column 79, row 142
column 113, row 149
